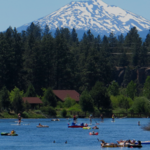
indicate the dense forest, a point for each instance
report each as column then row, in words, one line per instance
column 63, row 62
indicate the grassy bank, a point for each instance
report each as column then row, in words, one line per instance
column 29, row 114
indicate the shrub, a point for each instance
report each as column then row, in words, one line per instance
column 64, row 113
column 69, row 102
column 75, row 108
column 48, row 110
column 60, row 104
column 141, row 105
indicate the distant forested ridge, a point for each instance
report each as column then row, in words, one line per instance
column 63, row 62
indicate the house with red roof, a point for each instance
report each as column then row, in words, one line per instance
column 62, row 94
column 33, row 101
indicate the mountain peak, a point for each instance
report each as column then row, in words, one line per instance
column 98, row 2
column 96, row 15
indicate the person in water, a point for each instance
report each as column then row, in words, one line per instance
column 95, row 127
column 40, row 125
column 113, row 117
column 12, row 132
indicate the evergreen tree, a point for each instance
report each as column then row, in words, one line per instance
column 146, row 88
column 123, row 60
column 4, row 98
column 100, row 96
column 49, row 98
column 86, row 102
column 16, row 100
column 131, row 90
column 62, row 64
column 127, row 77
column 74, row 36
column 113, row 88
column 57, row 32
column 34, row 29
column 30, row 91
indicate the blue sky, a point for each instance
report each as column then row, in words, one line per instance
column 16, row 13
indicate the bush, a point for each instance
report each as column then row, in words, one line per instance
column 64, row 113
column 120, row 110
column 60, row 104
column 69, row 102
column 48, row 110
column 75, row 108
column 25, row 114
column 37, row 111
column 141, row 105
column 121, row 101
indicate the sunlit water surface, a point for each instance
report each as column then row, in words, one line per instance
column 32, row 138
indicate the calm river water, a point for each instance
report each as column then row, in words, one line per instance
column 32, row 138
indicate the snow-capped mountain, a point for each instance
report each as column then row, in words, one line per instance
column 95, row 15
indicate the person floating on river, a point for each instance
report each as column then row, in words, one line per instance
column 12, row 132
column 113, row 117
column 138, row 123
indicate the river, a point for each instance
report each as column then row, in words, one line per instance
column 32, row 138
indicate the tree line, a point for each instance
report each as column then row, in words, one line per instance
column 64, row 62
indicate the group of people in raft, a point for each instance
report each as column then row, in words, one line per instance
column 121, row 143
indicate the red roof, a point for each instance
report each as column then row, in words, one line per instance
column 32, row 100
column 62, row 94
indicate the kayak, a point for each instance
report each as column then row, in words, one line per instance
column 86, row 127
column 8, row 134
column 95, row 133
column 143, row 142
column 43, row 126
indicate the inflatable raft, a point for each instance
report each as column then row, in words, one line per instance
column 135, row 145
column 43, row 126
column 86, row 127
column 8, row 134
column 143, row 142
column 93, row 133
column 73, row 125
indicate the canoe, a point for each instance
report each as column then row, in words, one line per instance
column 95, row 133
column 86, row 127
column 43, row 126
column 8, row 134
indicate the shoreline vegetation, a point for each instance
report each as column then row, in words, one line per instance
column 36, row 114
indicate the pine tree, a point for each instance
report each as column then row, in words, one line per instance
column 30, row 91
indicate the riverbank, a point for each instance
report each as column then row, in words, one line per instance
column 30, row 114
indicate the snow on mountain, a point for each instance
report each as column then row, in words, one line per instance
column 95, row 15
